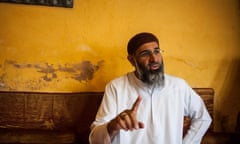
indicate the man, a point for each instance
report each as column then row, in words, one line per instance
column 147, row 106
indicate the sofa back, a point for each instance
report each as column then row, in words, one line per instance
column 36, row 112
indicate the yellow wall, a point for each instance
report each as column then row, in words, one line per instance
column 82, row 48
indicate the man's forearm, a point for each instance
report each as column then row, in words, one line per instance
column 196, row 131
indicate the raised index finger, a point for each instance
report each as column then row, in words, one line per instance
column 136, row 104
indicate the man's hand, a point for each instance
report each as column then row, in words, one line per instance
column 126, row 120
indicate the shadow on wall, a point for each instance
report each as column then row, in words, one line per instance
column 228, row 97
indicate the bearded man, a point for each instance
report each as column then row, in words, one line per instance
column 147, row 106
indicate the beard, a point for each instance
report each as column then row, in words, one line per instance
column 149, row 76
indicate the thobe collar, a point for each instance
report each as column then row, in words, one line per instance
column 140, row 84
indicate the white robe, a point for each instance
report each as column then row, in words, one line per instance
column 162, row 110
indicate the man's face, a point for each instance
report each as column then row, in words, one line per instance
column 149, row 56
column 148, row 62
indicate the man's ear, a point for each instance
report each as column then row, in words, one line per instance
column 131, row 60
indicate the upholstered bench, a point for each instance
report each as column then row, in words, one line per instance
column 57, row 118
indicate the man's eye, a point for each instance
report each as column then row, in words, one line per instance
column 149, row 53
column 146, row 53
column 157, row 51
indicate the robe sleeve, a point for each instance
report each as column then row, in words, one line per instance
column 99, row 135
column 106, row 112
column 200, row 118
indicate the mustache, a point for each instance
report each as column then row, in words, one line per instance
column 154, row 63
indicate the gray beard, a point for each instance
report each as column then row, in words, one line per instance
column 150, row 77
column 153, row 79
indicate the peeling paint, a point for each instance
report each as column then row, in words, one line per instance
column 48, row 69
column 47, row 72
column 85, row 71
column 18, row 65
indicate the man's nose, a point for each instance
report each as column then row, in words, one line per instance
column 153, row 57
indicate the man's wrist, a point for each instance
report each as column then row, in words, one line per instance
column 111, row 130
column 109, row 127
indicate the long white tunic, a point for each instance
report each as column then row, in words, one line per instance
column 162, row 110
